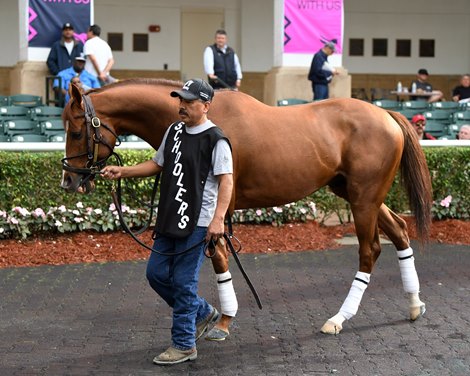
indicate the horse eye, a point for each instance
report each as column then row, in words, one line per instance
column 76, row 135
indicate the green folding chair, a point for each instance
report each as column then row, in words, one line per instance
column 12, row 127
column 420, row 106
column 50, row 125
column 7, row 112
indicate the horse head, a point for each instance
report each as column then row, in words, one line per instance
column 89, row 143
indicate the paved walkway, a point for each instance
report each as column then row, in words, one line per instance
column 103, row 319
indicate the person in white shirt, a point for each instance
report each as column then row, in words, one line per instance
column 99, row 56
column 221, row 64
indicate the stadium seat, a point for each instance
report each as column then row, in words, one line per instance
column 28, row 137
column 449, row 106
column 7, row 112
column 4, row 138
column 436, row 128
column 38, row 113
column 291, row 101
column 13, row 127
column 55, row 136
column 409, row 112
column 50, row 125
column 4, row 100
column 25, row 100
column 421, row 106
column 441, row 116
column 388, row 104
column 461, row 117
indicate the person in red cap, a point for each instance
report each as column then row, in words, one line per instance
column 419, row 124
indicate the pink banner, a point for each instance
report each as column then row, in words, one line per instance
column 309, row 24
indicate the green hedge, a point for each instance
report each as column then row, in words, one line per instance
column 32, row 180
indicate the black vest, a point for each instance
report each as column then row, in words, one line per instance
column 224, row 67
column 188, row 159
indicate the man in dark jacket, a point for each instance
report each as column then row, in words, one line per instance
column 221, row 64
column 64, row 51
column 321, row 72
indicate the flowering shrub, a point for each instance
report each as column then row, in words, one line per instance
column 21, row 223
column 296, row 211
column 449, row 207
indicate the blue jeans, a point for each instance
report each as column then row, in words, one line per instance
column 175, row 279
column 319, row 91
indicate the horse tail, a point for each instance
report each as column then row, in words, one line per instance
column 415, row 177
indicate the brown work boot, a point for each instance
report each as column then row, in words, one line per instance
column 174, row 356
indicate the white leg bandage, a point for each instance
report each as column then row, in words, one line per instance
column 227, row 297
column 351, row 304
column 409, row 276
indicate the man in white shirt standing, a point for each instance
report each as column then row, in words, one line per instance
column 221, row 64
column 99, row 56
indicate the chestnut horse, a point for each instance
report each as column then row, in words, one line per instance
column 280, row 155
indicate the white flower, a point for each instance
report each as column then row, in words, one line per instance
column 62, row 208
column 79, row 205
column 277, row 210
column 133, row 211
column 112, row 207
column 303, row 210
column 98, row 211
column 258, row 212
column 3, row 214
column 76, row 212
column 78, row 219
column 13, row 220
column 2, row 230
column 125, row 208
column 58, row 224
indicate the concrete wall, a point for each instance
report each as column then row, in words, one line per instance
column 447, row 22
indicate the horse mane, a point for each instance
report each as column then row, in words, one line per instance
column 139, row 81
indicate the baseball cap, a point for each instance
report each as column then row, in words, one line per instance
column 195, row 89
column 67, row 25
column 423, row 71
column 80, row 57
column 418, row 117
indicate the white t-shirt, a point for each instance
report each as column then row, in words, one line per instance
column 100, row 50
column 221, row 164
column 69, row 46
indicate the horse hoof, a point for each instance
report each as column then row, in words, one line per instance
column 417, row 312
column 331, row 328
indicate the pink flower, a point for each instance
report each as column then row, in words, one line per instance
column 38, row 212
column 446, row 202
column 258, row 212
column 14, row 221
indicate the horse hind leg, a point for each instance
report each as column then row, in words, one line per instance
column 396, row 230
column 227, row 297
column 365, row 218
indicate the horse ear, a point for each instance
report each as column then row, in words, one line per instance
column 75, row 94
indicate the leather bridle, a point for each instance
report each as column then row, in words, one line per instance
column 95, row 138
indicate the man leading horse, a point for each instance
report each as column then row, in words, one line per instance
column 195, row 161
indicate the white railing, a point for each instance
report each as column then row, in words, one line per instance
column 141, row 145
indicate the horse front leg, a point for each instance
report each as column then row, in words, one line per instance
column 396, row 230
column 227, row 297
column 365, row 220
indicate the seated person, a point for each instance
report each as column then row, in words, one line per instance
column 461, row 93
column 86, row 80
column 419, row 123
column 422, row 85
column 464, row 132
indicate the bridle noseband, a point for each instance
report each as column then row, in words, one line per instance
column 93, row 126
